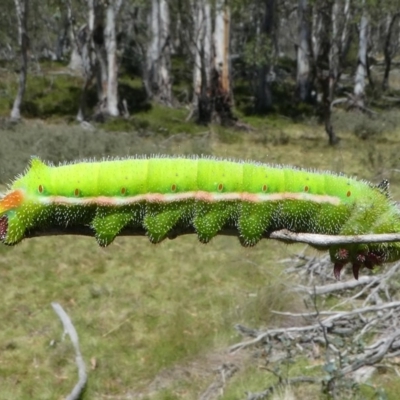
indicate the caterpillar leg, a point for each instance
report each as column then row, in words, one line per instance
column 108, row 223
column 359, row 256
column 253, row 221
column 161, row 218
column 210, row 218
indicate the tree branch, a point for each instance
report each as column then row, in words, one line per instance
column 313, row 239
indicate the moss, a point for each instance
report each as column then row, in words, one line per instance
column 53, row 95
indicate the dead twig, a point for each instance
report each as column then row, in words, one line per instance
column 70, row 330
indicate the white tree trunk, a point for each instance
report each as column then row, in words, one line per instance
column 303, row 52
column 334, row 52
column 221, row 44
column 263, row 95
column 158, row 70
column 165, row 94
column 201, row 49
column 361, row 72
column 21, row 7
column 153, row 50
column 317, row 28
column 389, row 48
column 198, row 40
column 345, row 40
column 112, row 65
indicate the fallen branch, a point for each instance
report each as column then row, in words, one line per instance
column 346, row 341
column 216, row 389
column 70, row 330
column 273, row 388
column 339, row 286
column 327, row 323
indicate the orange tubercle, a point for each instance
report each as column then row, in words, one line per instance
column 11, row 200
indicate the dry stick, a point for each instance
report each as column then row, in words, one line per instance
column 327, row 322
column 384, row 281
column 70, row 329
column 328, row 240
column 216, row 389
column 334, row 287
column 382, row 347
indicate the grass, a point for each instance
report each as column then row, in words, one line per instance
column 138, row 308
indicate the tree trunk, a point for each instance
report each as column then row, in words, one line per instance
column 220, row 84
column 388, row 51
column 303, row 53
column 165, row 92
column 21, row 7
column 334, row 64
column 62, row 39
column 111, row 49
column 361, row 72
column 95, row 52
column 158, row 69
column 263, row 93
column 345, row 37
column 202, row 60
column 316, row 32
column 84, row 46
column 101, row 71
column 326, row 44
column 221, row 45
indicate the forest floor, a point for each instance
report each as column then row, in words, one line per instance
column 156, row 321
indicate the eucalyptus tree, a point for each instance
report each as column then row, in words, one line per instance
column 94, row 52
column 211, row 53
column 361, row 70
column 303, row 79
column 330, row 41
column 21, row 8
column 391, row 45
column 263, row 96
column 158, row 65
column 201, row 48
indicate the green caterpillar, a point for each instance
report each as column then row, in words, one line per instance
column 160, row 196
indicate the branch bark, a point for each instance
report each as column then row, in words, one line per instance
column 313, row 239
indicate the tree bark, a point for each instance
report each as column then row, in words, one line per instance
column 388, row 51
column 346, row 36
column 22, row 8
column 326, row 44
column 202, row 60
column 112, row 65
column 158, row 69
column 263, row 94
column 221, row 45
column 303, row 53
column 84, row 46
column 361, row 72
column 220, row 81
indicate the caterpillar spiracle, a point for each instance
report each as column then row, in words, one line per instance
column 159, row 196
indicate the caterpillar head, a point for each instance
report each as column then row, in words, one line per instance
column 3, row 227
